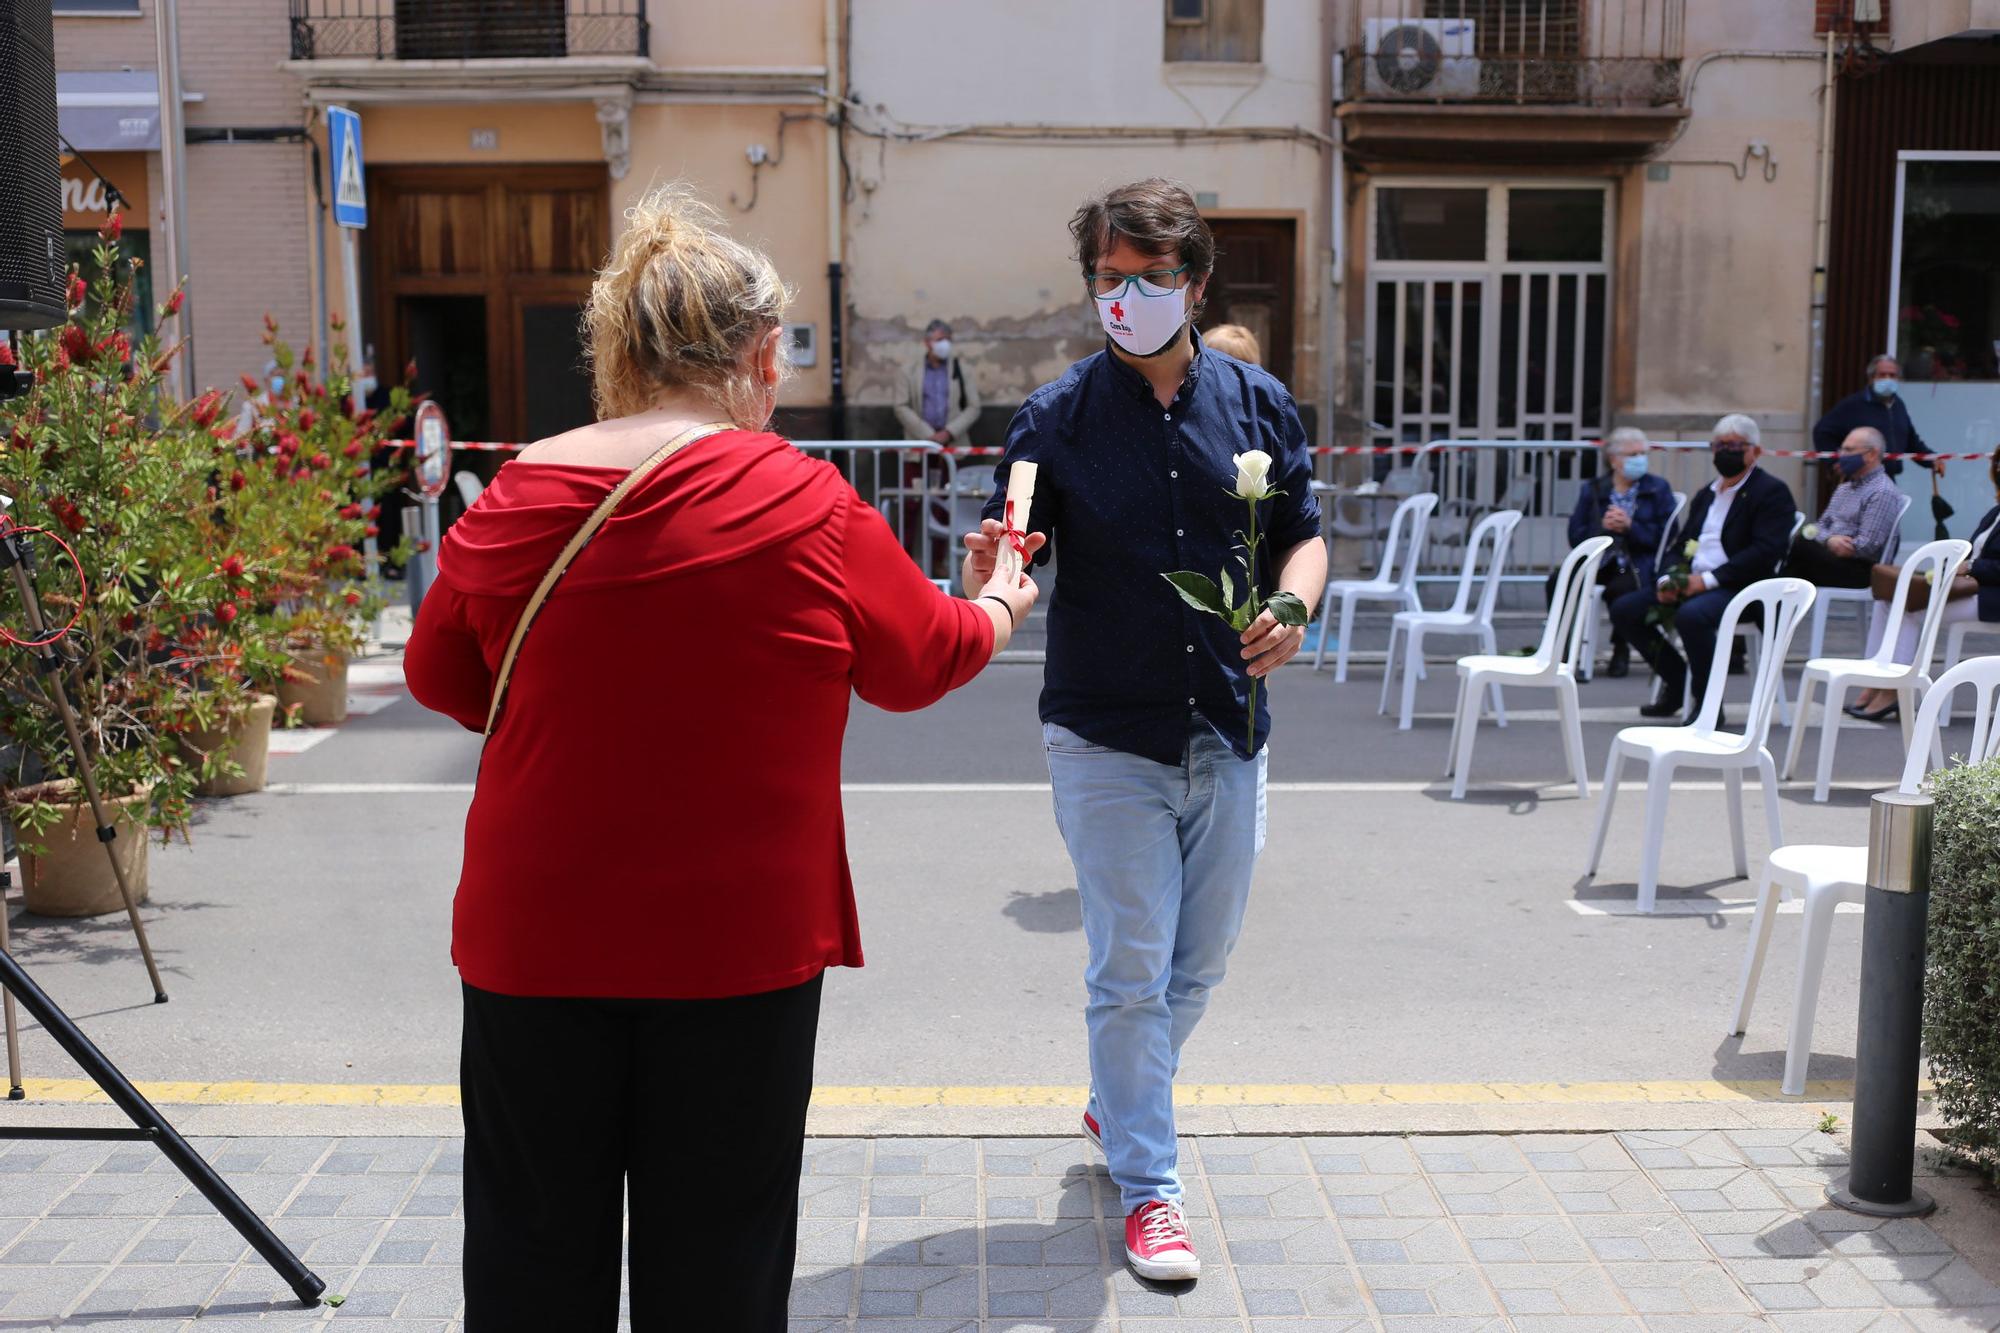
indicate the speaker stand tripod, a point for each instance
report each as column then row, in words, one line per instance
column 148, row 1125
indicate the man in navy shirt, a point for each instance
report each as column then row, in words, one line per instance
column 1880, row 407
column 1155, row 758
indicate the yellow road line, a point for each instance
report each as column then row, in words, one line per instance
column 1655, row 1091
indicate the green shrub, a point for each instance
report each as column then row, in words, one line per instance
column 1962, row 987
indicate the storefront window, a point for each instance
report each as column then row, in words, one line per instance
column 1947, row 321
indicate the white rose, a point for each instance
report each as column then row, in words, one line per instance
column 1252, row 472
column 1689, row 547
column 1810, row 532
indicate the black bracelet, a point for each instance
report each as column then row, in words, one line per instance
column 1012, row 623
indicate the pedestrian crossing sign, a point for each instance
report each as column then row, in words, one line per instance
column 350, row 195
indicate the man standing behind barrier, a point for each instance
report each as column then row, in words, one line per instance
column 1878, row 404
column 1737, row 528
column 940, row 393
column 1159, row 790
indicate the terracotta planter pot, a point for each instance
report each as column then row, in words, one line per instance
column 248, row 743
column 72, row 875
column 322, row 700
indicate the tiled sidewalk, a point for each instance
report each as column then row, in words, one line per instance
column 1672, row 1231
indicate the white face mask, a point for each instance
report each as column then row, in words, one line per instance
column 1143, row 319
column 941, row 349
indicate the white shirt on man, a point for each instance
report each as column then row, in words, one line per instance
column 1708, row 552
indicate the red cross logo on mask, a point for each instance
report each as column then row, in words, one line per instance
column 1118, row 312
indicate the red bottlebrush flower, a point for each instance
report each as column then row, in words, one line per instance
column 353, row 598
column 353, row 449
column 113, row 228
column 249, row 385
column 226, row 612
column 423, row 548
column 350, row 511
column 6, row 353
column 118, row 344
column 321, row 462
column 155, row 641
column 341, row 552
column 300, row 474
column 326, row 497
column 226, row 431
column 175, row 302
column 410, row 371
column 206, row 409
column 244, row 594
column 233, row 566
column 306, row 418
column 364, row 419
column 305, row 362
column 270, row 324
column 362, row 470
column 128, row 623
column 237, row 481
column 67, row 513
column 76, row 344
column 372, row 531
column 77, row 290
column 288, row 443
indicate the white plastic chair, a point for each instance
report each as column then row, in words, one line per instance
column 1460, row 618
column 1666, row 750
column 1596, row 613
column 1836, row 675
column 1553, row 666
column 1862, row 599
column 1829, row 876
column 1754, row 636
column 1955, row 635
column 470, row 487
column 1395, row 582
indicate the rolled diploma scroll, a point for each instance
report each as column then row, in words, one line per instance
column 1020, row 500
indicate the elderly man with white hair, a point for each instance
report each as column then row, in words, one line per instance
column 1734, row 534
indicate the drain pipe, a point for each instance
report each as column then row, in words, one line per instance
column 1822, row 228
column 836, row 113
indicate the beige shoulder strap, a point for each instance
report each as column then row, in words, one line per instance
column 597, row 519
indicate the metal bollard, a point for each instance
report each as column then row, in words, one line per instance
column 1887, row 1050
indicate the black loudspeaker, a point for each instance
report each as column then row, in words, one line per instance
column 32, row 257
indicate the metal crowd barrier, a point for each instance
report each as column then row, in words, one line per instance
column 1473, row 478
column 917, row 487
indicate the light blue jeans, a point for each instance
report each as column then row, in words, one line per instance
column 1163, row 856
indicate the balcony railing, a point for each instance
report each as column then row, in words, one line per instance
column 1546, row 52
column 466, row 29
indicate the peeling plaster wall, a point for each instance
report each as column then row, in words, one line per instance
column 975, row 232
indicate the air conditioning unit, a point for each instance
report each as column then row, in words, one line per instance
column 1420, row 59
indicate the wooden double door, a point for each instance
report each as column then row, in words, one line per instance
column 479, row 277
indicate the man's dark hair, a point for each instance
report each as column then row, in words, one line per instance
column 937, row 326
column 1157, row 216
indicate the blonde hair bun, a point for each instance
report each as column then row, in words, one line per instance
column 679, row 305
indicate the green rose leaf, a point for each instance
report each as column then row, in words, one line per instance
column 1228, row 591
column 1287, row 608
column 1198, row 591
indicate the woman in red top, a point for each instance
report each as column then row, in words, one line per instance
column 655, row 874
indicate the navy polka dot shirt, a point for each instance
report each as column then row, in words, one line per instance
column 1127, row 491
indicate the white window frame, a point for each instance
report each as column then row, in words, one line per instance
column 1494, row 269
column 1903, row 158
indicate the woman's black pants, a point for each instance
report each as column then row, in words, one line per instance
column 694, row 1111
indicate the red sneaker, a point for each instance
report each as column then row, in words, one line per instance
column 1157, row 1243
column 1092, row 1132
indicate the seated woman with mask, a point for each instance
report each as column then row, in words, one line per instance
column 1630, row 505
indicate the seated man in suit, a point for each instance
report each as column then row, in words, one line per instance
column 1740, row 525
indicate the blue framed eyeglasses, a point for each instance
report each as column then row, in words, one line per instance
column 1155, row 282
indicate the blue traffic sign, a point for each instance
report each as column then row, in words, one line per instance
column 350, row 195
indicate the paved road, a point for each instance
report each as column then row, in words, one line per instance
column 1394, row 935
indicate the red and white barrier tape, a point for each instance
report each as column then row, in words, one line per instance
column 1335, row 450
